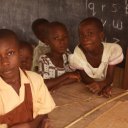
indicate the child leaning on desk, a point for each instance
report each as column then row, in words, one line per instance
column 54, row 66
column 95, row 59
column 24, row 98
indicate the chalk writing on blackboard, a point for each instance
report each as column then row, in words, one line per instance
column 113, row 16
column 114, row 7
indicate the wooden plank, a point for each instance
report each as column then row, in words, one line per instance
column 75, row 100
column 125, row 79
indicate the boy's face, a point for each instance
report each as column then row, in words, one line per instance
column 9, row 58
column 26, row 58
column 58, row 39
column 41, row 32
column 90, row 37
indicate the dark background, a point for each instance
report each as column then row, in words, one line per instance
column 18, row 15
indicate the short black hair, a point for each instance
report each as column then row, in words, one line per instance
column 94, row 20
column 57, row 24
column 7, row 33
column 38, row 22
column 26, row 44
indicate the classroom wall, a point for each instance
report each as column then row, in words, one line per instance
column 19, row 15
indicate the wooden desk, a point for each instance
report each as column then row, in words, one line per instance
column 75, row 100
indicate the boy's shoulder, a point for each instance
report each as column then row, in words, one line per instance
column 44, row 59
column 43, row 56
column 33, row 75
column 111, row 44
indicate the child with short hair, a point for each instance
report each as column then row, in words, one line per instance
column 39, row 27
column 95, row 59
column 26, row 55
column 24, row 98
column 54, row 66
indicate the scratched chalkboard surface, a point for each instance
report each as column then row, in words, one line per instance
column 18, row 15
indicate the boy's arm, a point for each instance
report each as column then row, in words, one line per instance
column 106, row 84
column 109, row 76
column 96, row 86
column 85, row 78
column 36, row 123
column 64, row 79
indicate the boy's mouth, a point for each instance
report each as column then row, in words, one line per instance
column 7, row 71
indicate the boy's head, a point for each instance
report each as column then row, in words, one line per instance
column 58, row 37
column 26, row 55
column 9, row 54
column 90, row 33
column 39, row 28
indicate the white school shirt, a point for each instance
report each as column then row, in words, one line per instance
column 48, row 70
column 39, row 50
column 42, row 100
column 112, row 55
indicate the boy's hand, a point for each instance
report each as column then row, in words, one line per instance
column 46, row 123
column 94, row 87
column 106, row 91
column 74, row 75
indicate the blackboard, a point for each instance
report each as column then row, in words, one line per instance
column 19, row 15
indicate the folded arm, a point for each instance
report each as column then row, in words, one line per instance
column 64, row 79
column 36, row 123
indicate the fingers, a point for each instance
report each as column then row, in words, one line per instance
column 47, row 124
column 106, row 92
column 75, row 76
column 94, row 88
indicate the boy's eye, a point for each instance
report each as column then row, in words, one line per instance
column 82, row 36
column 89, row 34
column 56, row 38
column 10, row 53
column 60, row 38
column 65, row 37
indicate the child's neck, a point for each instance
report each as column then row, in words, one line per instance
column 15, row 83
column 55, row 55
column 95, row 52
column 57, row 59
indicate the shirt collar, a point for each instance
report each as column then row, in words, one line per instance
column 23, row 77
column 42, row 44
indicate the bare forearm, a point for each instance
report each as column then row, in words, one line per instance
column 33, row 124
column 68, row 81
column 109, row 77
column 65, row 82
column 51, row 83
column 85, row 78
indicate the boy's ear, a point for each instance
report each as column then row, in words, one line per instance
column 102, row 36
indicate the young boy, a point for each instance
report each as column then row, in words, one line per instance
column 39, row 28
column 95, row 59
column 54, row 66
column 26, row 55
column 24, row 98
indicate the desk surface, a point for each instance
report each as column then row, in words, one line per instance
column 74, row 100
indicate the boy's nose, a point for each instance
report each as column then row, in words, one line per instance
column 63, row 41
column 4, row 61
column 86, row 37
column 23, row 62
